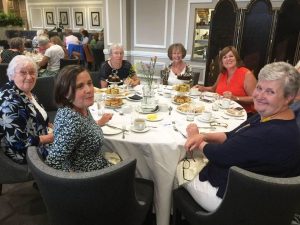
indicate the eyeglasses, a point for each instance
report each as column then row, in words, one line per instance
column 24, row 73
column 186, row 165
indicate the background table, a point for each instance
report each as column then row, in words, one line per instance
column 159, row 150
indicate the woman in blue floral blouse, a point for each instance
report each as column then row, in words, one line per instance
column 23, row 121
column 78, row 138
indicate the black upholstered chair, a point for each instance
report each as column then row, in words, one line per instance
column 250, row 199
column 65, row 62
column 108, row 196
column 95, row 78
column 11, row 172
column 3, row 74
column 44, row 90
column 99, row 58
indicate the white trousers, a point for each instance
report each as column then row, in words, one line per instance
column 203, row 193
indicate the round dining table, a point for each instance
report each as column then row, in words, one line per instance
column 160, row 146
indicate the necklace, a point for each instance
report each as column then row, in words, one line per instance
column 266, row 119
column 115, row 65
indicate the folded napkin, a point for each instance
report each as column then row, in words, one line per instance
column 135, row 97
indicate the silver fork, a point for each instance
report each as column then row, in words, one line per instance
column 176, row 129
column 170, row 109
column 123, row 131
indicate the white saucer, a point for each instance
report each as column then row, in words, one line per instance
column 201, row 119
column 139, row 109
column 110, row 131
column 140, row 131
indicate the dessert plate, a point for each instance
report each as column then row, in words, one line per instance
column 154, row 117
column 110, row 131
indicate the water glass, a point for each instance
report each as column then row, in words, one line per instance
column 190, row 114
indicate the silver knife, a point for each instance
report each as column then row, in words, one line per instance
column 111, row 126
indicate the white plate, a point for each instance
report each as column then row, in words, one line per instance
column 113, row 82
column 113, row 107
column 169, row 87
column 139, row 109
column 201, row 119
column 158, row 118
column 209, row 94
column 133, row 100
column 234, row 114
column 185, row 112
column 140, row 131
column 110, row 131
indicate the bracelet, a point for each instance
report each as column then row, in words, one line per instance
column 237, row 98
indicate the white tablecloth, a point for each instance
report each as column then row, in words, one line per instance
column 159, row 150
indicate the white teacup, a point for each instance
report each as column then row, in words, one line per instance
column 167, row 94
column 206, row 115
column 163, row 107
column 139, row 124
column 225, row 103
column 194, row 91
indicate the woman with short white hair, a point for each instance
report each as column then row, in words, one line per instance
column 23, row 121
column 116, row 65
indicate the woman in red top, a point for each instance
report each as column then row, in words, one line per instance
column 234, row 78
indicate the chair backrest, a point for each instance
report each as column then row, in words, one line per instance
column 98, row 57
column 256, row 199
column 3, row 74
column 88, row 54
column 104, row 196
column 95, row 78
column 65, row 62
column 12, row 172
column 44, row 90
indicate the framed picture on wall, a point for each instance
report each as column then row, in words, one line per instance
column 79, row 18
column 95, row 18
column 49, row 18
column 63, row 18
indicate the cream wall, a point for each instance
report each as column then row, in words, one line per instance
column 145, row 27
column 36, row 14
column 151, row 26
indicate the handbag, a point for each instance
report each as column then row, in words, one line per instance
column 189, row 168
column 112, row 157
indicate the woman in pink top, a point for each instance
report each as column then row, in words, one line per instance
column 235, row 78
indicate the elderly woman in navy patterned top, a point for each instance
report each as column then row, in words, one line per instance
column 23, row 122
column 78, row 138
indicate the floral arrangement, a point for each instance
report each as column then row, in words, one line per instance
column 149, row 70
